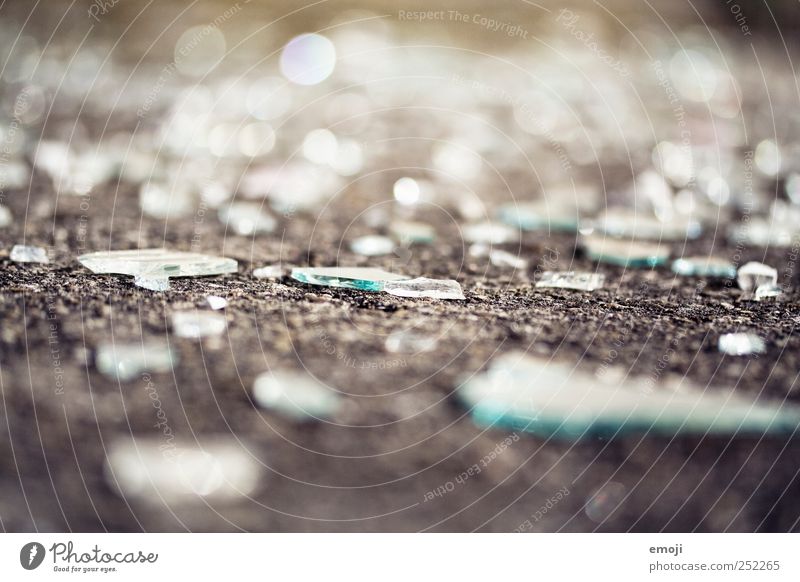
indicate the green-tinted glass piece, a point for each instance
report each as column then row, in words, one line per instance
column 704, row 267
column 555, row 399
column 361, row 278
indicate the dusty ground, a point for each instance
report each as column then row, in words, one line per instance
column 401, row 433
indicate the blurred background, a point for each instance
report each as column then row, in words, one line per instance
column 132, row 124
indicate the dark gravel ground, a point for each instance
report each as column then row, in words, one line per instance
column 401, row 434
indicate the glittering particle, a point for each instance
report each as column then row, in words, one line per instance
column 406, row 191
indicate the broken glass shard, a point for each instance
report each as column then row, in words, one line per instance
column 540, row 215
column 424, row 287
column 126, row 361
column 498, row 257
column 410, row 342
column 557, row 399
column 246, row 218
column 268, row 272
column 296, row 395
column 153, row 282
column 28, row 254
column 362, row 278
column 741, row 344
column 150, row 267
column 629, row 224
column 198, row 324
column 625, row 253
column 767, row 291
column 704, row 267
column 216, row 302
column 753, row 275
column 161, row 470
column 413, row 232
column 579, row 281
column 493, row 233
column 372, row 245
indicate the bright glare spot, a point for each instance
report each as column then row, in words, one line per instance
column 222, row 140
column 675, row 162
column 256, row 139
column 199, row 50
column 349, row 158
column 406, row 191
column 694, row 75
column 768, row 157
column 320, row 146
column 308, row 59
column 718, row 191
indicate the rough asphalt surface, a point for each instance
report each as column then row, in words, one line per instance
column 401, row 434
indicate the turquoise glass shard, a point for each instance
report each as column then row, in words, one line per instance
column 625, row 253
column 554, row 399
column 361, row 278
column 150, row 267
column 704, row 267
column 540, row 215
